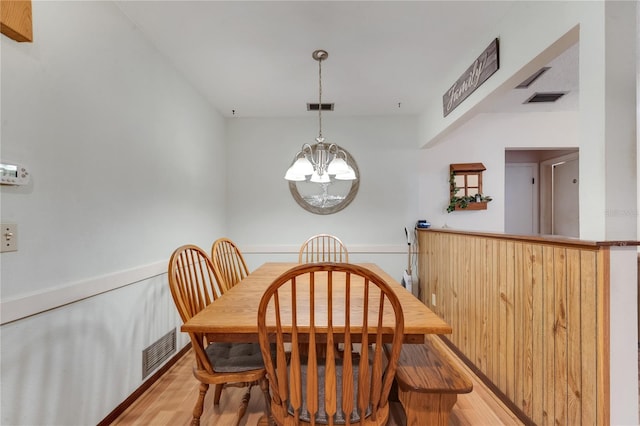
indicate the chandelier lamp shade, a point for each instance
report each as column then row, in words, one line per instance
column 320, row 162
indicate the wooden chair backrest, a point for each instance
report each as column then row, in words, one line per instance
column 192, row 280
column 323, row 248
column 229, row 262
column 193, row 287
column 299, row 307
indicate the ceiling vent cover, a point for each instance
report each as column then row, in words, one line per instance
column 314, row 106
column 544, row 97
column 529, row 81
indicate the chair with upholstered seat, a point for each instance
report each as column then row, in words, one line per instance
column 313, row 381
column 323, row 248
column 194, row 286
column 229, row 262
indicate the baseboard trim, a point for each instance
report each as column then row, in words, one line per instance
column 112, row 416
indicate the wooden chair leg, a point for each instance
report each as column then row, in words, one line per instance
column 197, row 410
column 264, row 385
column 244, row 404
column 218, row 392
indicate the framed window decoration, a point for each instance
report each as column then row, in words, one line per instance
column 465, row 187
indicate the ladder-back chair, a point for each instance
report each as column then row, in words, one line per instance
column 323, row 248
column 313, row 382
column 229, row 262
column 193, row 286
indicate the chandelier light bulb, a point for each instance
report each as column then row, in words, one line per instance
column 291, row 175
column 348, row 175
column 337, row 166
column 320, row 178
column 302, row 166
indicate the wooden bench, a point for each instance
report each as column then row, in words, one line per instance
column 428, row 383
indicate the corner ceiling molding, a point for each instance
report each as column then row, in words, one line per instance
column 16, row 20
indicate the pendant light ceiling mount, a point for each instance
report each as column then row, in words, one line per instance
column 320, row 55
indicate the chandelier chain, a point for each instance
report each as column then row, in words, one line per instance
column 320, row 98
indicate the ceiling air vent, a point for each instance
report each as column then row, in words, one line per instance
column 544, row 97
column 529, row 81
column 314, row 107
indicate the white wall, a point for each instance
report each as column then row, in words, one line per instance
column 607, row 33
column 483, row 139
column 73, row 365
column 524, row 49
column 127, row 163
column 267, row 223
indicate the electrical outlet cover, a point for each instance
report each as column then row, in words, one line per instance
column 9, row 237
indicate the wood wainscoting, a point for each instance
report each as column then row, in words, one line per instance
column 531, row 314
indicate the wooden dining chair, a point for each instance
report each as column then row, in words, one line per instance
column 313, row 382
column 193, row 286
column 229, row 262
column 323, row 248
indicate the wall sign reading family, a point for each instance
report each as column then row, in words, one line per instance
column 483, row 67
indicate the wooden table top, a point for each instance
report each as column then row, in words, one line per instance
column 233, row 317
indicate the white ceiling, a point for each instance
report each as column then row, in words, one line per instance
column 254, row 57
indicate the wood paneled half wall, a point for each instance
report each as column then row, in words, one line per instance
column 530, row 314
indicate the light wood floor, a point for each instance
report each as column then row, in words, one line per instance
column 171, row 399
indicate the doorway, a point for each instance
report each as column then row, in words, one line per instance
column 560, row 212
column 541, row 191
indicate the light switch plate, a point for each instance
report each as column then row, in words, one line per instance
column 9, row 237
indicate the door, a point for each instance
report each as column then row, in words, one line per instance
column 565, row 199
column 521, row 198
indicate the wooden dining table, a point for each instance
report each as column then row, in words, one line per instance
column 233, row 316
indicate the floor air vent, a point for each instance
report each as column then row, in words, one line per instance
column 158, row 352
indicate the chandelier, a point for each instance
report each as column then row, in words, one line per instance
column 320, row 161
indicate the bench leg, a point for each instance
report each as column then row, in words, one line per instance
column 427, row 409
